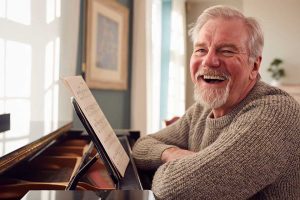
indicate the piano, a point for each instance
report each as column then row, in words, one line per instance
column 56, row 157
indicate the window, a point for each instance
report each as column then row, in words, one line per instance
column 167, row 63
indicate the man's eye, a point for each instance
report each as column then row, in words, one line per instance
column 227, row 53
column 200, row 51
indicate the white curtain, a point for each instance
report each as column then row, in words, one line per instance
column 146, row 83
column 177, row 64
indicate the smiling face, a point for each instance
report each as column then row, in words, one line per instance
column 220, row 67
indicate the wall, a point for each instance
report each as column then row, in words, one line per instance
column 37, row 50
column 69, row 49
column 114, row 104
column 139, row 71
column 281, row 25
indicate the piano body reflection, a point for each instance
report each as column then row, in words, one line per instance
column 60, row 159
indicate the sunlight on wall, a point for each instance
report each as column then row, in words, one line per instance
column 58, row 8
column 51, row 108
column 53, row 10
column 15, row 69
column 1, row 85
column 18, row 72
column 52, row 65
column 1, row 106
column 49, row 62
column 2, row 8
column 19, row 109
column 18, row 69
column 15, row 82
column 1, row 71
column 18, row 11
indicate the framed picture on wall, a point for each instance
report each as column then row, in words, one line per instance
column 106, row 45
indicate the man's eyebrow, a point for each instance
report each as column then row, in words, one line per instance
column 199, row 44
column 222, row 45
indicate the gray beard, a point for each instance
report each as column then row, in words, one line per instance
column 211, row 98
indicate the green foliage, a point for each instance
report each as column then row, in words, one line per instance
column 277, row 72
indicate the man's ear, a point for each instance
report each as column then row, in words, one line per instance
column 255, row 68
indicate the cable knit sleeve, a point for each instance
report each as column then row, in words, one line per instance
column 148, row 149
column 250, row 154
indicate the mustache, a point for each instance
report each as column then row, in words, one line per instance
column 210, row 72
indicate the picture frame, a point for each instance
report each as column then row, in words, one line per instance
column 106, row 45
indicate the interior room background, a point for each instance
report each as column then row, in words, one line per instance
column 280, row 24
column 42, row 40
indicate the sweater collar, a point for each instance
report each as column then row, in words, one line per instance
column 220, row 122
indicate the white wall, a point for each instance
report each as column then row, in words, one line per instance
column 69, row 29
column 65, row 28
column 280, row 21
column 139, row 69
column 38, row 45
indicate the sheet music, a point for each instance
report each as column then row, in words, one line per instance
column 98, row 121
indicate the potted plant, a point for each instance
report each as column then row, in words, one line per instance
column 277, row 72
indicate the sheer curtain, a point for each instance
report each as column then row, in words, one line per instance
column 177, row 63
column 168, row 60
column 158, row 90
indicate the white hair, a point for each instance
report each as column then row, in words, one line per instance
column 255, row 34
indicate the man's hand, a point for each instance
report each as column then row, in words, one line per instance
column 174, row 153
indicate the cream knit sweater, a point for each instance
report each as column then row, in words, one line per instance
column 252, row 152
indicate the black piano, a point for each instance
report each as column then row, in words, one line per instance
column 56, row 157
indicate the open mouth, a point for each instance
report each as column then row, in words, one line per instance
column 213, row 78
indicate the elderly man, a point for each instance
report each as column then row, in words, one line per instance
column 240, row 139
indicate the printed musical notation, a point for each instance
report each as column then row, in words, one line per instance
column 82, row 92
column 98, row 121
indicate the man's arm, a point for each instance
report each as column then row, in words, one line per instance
column 148, row 150
column 174, row 153
column 250, row 155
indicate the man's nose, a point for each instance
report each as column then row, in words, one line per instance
column 211, row 59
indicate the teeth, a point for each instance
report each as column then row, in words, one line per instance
column 222, row 78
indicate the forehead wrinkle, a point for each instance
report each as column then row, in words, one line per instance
column 211, row 32
column 199, row 44
column 208, row 32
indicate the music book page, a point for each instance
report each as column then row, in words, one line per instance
column 98, row 121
